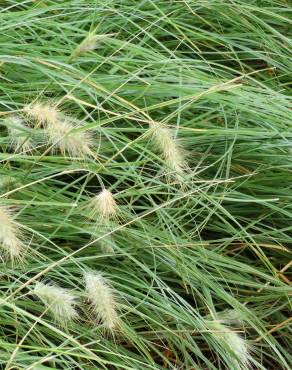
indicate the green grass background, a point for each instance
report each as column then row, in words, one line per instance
column 218, row 73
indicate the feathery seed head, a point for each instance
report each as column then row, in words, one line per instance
column 171, row 152
column 91, row 42
column 10, row 244
column 88, row 44
column 18, row 133
column 237, row 346
column 60, row 130
column 101, row 296
column 103, row 205
column 75, row 144
column 60, row 301
column 42, row 113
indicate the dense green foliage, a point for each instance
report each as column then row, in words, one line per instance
column 185, row 250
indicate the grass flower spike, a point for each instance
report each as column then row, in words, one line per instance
column 91, row 42
column 43, row 113
column 165, row 143
column 19, row 136
column 11, row 246
column 238, row 352
column 104, row 206
column 60, row 130
column 74, row 144
column 60, row 301
column 101, row 296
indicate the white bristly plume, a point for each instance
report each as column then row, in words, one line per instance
column 101, row 296
column 11, row 245
column 59, row 301
column 166, row 144
column 60, row 130
column 237, row 347
column 43, row 113
column 75, row 144
column 103, row 206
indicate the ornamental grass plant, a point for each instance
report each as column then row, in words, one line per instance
column 145, row 184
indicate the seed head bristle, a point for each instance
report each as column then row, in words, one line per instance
column 59, row 301
column 238, row 351
column 42, row 113
column 75, row 144
column 103, row 206
column 91, row 42
column 11, row 245
column 88, row 44
column 171, row 152
column 102, row 299
column 60, row 130
column 106, row 245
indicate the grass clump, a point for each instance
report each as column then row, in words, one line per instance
column 147, row 144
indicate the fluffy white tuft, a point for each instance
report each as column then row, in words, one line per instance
column 60, row 301
column 238, row 350
column 75, row 144
column 103, row 206
column 43, row 113
column 10, row 242
column 165, row 143
column 60, row 130
column 101, row 296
